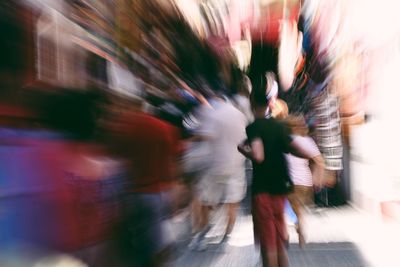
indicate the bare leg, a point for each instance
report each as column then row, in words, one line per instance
column 198, row 242
column 231, row 214
column 204, row 217
column 298, row 210
column 196, row 210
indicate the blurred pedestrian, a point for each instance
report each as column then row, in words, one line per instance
column 224, row 182
column 195, row 162
column 268, row 141
column 150, row 147
column 242, row 99
column 304, row 172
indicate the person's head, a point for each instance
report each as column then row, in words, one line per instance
column 258, row 98
column 271, row 90
column 244, row 87
column 264, row 91
column 297, row 124
column 279, row 109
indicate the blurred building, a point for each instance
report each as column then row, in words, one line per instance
column 366, row 70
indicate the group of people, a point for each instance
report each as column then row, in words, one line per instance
column 105, row 138
column 286, row 162
column 166, row 172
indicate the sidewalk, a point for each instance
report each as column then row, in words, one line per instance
column 336, row 237
column 376, row 240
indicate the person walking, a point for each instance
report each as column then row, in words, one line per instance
column 304, row 172
column 150, row 149
column 268, row 140
column 224, row 182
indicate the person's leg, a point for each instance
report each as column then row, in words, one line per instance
column 263, row 219
column 204, row 216
column 283, row 259
column 198, row 240
column 196, row 213
column 304, row 196
column 296, row 203
column 201, row 211
column 160, row 258
column 145, row 228
column 135, row 213
column 167, row 203
column 231, row 215
column 207, row 191
column 278, row 204
column 233, row 194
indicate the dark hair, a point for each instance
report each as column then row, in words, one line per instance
column 257, row 97
column 244, row 85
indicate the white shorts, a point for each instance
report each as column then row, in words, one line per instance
column 222, row 189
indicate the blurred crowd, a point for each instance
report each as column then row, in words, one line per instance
column 118, row 116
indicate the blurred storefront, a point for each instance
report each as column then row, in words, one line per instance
column 367, row 79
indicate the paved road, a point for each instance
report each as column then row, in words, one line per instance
column 336, row 237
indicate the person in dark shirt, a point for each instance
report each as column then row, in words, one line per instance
column 268, row 141
column 270, row 175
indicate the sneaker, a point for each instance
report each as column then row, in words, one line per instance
column 223, row 245
column 202, row 245
column 195, row 242
column 198, row 243
column 224, row 240
column 199, row 238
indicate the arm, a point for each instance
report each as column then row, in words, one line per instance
column 253, row 151
column 317, row 166
column 303, row 149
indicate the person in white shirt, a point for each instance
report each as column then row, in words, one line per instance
column 242, row 99
column 304, row 172
column 224, row 182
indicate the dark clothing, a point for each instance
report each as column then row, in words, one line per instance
column 146, row 214
column 271, row 176
column 151, row 146
column 271, row 183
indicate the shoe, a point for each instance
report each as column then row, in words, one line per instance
column 224, row 239
column 223, row 245
column 202, row 245
column 195, row 242
column 198, row 243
